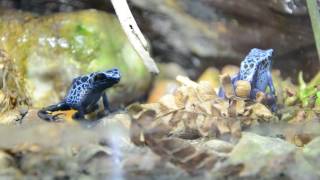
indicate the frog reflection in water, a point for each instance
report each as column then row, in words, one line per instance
column 255, row 68
column 84, row 94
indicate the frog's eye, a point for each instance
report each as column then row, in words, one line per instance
column 99, row 77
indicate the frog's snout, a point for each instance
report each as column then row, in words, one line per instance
column 270, row 52
column 113, row 74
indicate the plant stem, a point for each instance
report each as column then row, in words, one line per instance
column 315, row 21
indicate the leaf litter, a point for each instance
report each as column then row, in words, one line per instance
column 192, row 128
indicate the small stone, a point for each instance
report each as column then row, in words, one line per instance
column 6, row 160
column 219, row 145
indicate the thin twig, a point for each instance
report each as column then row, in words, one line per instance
column 134, row 34
column 315, row 21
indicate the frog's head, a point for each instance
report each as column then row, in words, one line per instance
column 256, row 60
column 106, row 79
column 265, row 60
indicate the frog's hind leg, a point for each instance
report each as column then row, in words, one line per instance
column 270, row 99
column 91, row 108
column 270, row 84
column 44, row 113
column 106, row 103
column 79, row 116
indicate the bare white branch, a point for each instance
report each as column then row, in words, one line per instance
column 134, row 34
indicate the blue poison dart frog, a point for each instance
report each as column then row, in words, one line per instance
column 84, row 94
column 255, row 68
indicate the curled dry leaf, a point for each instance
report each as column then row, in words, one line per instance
column 227, row 85
column 183, row 154
column 175, row 150
column 243, row 88
column 260, row 97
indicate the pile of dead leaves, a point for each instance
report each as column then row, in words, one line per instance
column 12, row 89
column 191, row 112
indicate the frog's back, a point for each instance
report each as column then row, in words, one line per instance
column 80, row 87
column 255, row 68
column 249, row 65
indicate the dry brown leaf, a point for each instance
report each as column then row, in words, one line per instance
column 192, row 111
column 183, row 154
column 168, row 103
column 260, row 111
column 205, row 91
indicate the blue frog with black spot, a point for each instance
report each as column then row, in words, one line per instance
column 84, row 94
column 255, row 68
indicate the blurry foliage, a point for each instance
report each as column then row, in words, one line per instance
column 309, row 93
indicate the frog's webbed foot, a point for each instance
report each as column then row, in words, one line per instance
column 46, row 113
column 271, row 101
column 47, row 116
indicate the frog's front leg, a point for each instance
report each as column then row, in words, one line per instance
column 106, row 103
column 270, row 84
column 272, row 99
column 44, row 113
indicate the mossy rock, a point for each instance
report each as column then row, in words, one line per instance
column 51, row 50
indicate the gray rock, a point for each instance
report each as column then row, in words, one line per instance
column 301, row 169
column 312, row 153
column 259, row 156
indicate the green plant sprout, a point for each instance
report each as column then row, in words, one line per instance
column 310, row 90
